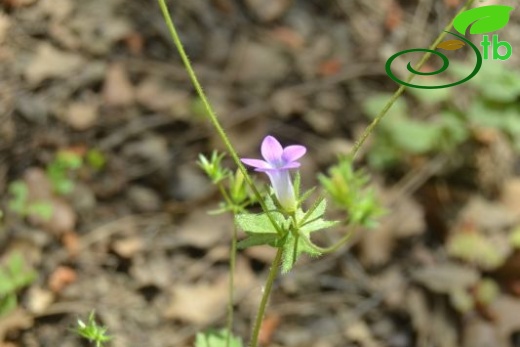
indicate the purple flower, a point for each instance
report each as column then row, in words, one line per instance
column 276, row 164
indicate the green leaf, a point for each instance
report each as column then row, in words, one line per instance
column 15, row 275
column 514, row 238
column 475, row 248
column 69, row 160
column 96, row 159
column 432, row 96
column 257, row 240
column 414, row 136
column 365, row 211
column 289, row 257
column 454, row 130
column 384, row 154
column 297, row 243
column 269, row 203
column 259, row 223
column 6, row 283
column 317, row 224
column 7, row 304
column 214, row 338
column 15, row 263
column 63, row 185
column 483, row 20
column 484, row 115
column 461, row 300
column 92, row 331
column 306, row 195
column 498, row 83
column 18, row 201
column 316, row 211
column 42, row 209
column 487, row 291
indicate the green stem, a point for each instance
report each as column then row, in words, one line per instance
column 209, row 109
column 232, row 263
column 265, row 297
column 402, row 88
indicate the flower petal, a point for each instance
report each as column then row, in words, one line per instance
column 272, row 150
column 293, row 153
column 291, row 165
column 256, row 163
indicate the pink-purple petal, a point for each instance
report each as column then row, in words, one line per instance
column 256, row 163
column 293, row 153
column 272, row 150
column 286, row 167
column 291, row 165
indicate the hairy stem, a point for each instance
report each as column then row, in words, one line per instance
column 400, row 91
column 265, row 297
column 209, row 109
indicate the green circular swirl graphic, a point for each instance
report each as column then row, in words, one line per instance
column 445, row 64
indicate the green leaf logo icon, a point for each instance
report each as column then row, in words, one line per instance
column 483, row 20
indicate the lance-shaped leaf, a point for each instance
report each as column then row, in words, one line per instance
column 451, row 45
column 483, row 20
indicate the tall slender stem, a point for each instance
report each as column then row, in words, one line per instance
column 232, row 262
column 209, row 109
column 265, row 297
column 402, row 88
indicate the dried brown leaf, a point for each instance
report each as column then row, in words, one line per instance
column 198, row 303
column 445, row 278
column 202, row 230
column 19, row 319
column 81, row 115
column 61, row 277
column 50, row 62
column 268, row 10
column 117, row 89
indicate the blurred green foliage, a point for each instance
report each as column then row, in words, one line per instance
column 214, row 338
column 491, row 103
column 14, row 275
column 349, row 190
column 20, row 204
column 60, row 172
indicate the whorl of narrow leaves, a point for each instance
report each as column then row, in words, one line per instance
column 295, row 238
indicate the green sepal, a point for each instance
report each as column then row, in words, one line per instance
column 306, row 195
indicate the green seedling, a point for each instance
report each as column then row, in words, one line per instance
column 91, row 331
